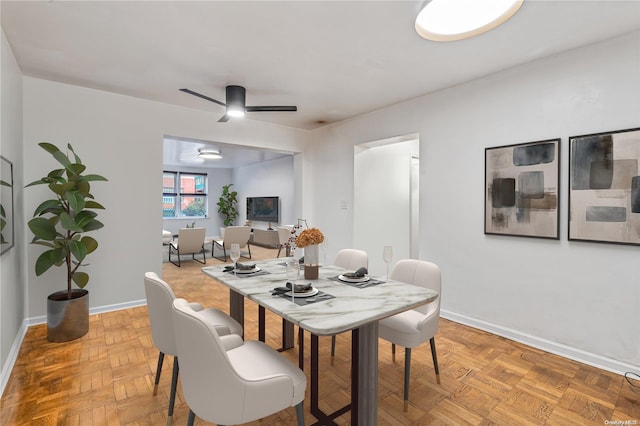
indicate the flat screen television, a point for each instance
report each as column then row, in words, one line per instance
column 265, row 209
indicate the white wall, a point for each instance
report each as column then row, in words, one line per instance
column 121, row 138
column 12, row 263
column 273, row 178
column 577, row 299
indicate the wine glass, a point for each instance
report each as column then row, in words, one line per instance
column 235, row 255
column 293, row 271
column 387, row 256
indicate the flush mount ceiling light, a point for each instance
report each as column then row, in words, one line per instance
column 210, row 154
column 449, row 20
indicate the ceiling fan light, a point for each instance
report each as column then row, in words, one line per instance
column 235, row 111
column 209, row 154
column 449, row 20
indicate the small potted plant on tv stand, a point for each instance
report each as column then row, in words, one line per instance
column 60, row 225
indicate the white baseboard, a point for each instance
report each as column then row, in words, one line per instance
column 17, row 342
column 12, row 356
column 97, row 310
column 575, row 354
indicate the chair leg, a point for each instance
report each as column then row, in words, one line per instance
column 279, row 249
column 300, row 414
column 204, row 256
column 158, row 371
column 432, row 342
column 192, row 417
column 174, row 386
column 407, row 371
column 171, row 249
column 393, row 352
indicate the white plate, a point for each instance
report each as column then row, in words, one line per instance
column 313, row 292
column 353, row 280
column 248, row 271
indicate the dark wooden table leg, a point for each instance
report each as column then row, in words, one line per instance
column 236, row 307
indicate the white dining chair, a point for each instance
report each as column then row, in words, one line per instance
column 412, row 328
column 160, row 299
column 228, row 381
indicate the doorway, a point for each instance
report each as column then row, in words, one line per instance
column 386, row 199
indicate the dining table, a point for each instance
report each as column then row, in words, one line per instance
column 336, row 305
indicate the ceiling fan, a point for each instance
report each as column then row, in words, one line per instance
column 235, row 105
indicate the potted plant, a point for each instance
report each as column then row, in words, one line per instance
column 60, row 225
column 227, row 204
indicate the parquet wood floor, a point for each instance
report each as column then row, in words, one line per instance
column 106, row 377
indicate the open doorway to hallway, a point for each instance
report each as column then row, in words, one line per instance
column 386, row 199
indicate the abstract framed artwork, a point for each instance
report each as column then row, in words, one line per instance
column 604, row 187
column 6, row 205
column 521, row 189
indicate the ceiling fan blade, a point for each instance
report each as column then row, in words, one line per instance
column 224, row 119
column 270, row 108
column 191, row 92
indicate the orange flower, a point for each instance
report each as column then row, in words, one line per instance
column 309, row 237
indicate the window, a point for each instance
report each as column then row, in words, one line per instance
column 184, row 194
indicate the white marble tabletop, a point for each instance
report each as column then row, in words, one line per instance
column 351, row 308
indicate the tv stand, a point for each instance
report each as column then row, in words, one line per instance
column 265, row 237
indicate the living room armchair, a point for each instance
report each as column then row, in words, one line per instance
column 190, row 241
column 232, row 235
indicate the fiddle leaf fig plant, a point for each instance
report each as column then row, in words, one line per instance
column 59, row 224
column 227, row 204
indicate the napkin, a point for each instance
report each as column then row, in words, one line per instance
column 242, row 267
column 362, row 272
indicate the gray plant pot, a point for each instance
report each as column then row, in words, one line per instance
column 67, row 319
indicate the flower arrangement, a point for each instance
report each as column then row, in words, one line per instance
column 309, row 237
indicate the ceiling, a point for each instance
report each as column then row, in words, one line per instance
column 333, row 59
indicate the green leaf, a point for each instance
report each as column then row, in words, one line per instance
column 76, row 169
column 57, row 173
column 47, row 259
column 90, row 244
column 77, row 159
column 92, row 225
column 90, row 204
column 45, row 244
column 68, row 223
column 62, row 159
column 91, row 178
column 37, row 182
column 3, row 183
column 49, row 147
column 84, row 217
column 76, row 201
column 80, row 278
column 2, row 212
column 78, row 250
column 43, row 228
column 60, row 189
column 48, row 206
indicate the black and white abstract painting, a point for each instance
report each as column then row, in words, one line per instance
column 521, row 189
column 604, row 187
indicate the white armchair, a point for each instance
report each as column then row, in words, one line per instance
column 160, row 299
column 232, row 382
column 284, row 233
column 232, row 235
column 190, row 241
column 412, row 328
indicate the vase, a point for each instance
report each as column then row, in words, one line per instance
column 67, row 319
column 311, row 262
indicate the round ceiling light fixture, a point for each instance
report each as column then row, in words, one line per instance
column 449, row 20
column 210, row 154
